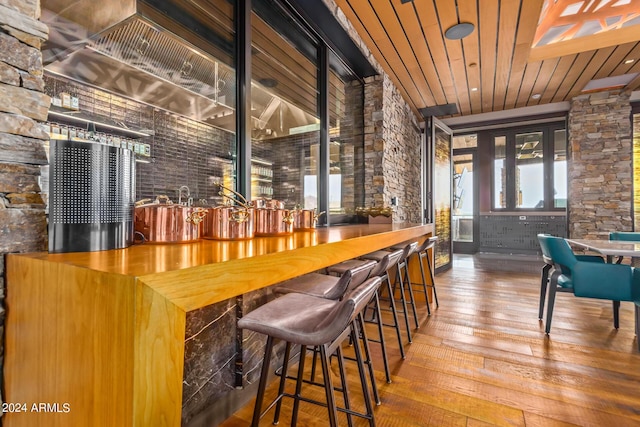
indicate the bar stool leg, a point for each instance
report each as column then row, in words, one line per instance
column 433, row 278
column 299, row 381
column 264, row 374
column 383, row 345
column 363, row 376
column 403, row 301
column 412, row 300
column 328, row 386
column 343, row 380
column 394, row 312
column 424, row 283
column 368, row 362
column 283, row 377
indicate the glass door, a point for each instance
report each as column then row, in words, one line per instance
column 464, row 214
column 440, row 144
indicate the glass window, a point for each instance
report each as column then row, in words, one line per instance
column 346, row 146
column 530, row 168
column 529, row 184
column 499, row 172
column 560, row 168
column 284, row 109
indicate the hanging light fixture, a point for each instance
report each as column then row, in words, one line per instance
column 459, row 31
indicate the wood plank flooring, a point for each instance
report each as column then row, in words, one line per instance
column 483, row 359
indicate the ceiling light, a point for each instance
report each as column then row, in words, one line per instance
column 536, row 96
column 629, row 61
column 474, row 89
column 459, row 31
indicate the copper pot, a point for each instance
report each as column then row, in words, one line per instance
column 229, row 223
column 305, row 219
column 267, row 203
column 161, row 221
column 274, row 222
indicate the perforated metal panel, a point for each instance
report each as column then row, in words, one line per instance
column 518, row 233
column 92, row 195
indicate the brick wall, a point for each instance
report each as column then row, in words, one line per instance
column 600, row 166
column 22, row 215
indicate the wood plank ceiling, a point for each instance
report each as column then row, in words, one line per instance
column 493, row 68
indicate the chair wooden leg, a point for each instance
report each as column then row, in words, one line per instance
column 543, row 289
column 553, row 288
column 616, row 314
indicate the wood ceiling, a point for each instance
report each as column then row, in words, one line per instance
column 492, row 69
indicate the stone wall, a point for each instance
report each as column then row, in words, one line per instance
column 600, row 166
column 22, row 215
column 392, row 150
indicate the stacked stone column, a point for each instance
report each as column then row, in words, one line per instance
column 600, row 165
column 22, row 141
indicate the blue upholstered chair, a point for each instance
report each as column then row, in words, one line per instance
column 564, row 280
column 588, row 279
column 629, row 236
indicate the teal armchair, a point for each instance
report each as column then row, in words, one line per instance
column 563, row 281
column 589, row 278
column 628, row 236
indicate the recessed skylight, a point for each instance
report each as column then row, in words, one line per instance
column 615, row 82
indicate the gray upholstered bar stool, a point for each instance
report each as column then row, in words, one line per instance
column 330, row 287
column 422, row 252
column 380, row 270
column 326, row 326
column 324, row 286
column 402, row 279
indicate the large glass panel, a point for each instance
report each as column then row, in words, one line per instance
column 162, row 86
column 529, row 176
column 284, row 109
column 560, row 169
column 463, row 203
column 442, row 195
column 500, row 172
column 346, row 147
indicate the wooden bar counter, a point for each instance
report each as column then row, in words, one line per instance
column 98, row 338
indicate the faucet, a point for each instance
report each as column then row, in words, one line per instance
column 189, row 199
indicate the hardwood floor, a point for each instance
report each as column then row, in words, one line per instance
column 483, row 359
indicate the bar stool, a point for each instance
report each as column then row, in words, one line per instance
column 326, row 326
column 422, row 252
column 324, row 286
column 380, row 270
column 330, row 287
column 402, row 278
